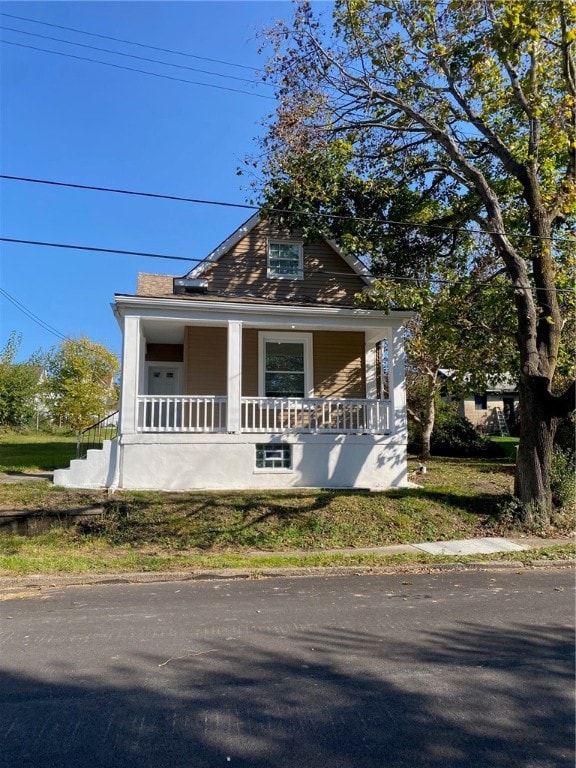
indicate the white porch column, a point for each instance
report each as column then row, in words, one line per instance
column 370, row 365
column 132, row 360
column 397, row 378
column 234, row 376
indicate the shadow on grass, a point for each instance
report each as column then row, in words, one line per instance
column 297, row 520
column 484, row 505
column 205, row 522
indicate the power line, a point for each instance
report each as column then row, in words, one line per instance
column 31, row 315
column 311, row 214
column 139, row 58
column 139, row 71
column 96, row 249
column 128, row 42
column 129, row 192
column 230, row 268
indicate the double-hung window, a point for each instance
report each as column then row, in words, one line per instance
column 285, row 365
column 285, row 260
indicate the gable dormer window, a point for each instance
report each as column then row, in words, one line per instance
column 285, row 260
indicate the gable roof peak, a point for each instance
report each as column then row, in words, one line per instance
column 244, row 229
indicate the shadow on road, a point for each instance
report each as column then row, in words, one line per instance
column 482, row 697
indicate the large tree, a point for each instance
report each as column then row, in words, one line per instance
column 422, row 257
column 473, row 104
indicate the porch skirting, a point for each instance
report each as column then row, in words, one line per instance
column 226, row 462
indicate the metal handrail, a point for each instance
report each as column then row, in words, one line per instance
column 94, row 435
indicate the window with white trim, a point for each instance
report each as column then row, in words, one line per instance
column 285, row 260
column 273, row 456
column 285, row 365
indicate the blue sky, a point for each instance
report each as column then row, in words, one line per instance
column 76, row 121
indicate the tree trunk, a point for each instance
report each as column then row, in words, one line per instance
column 538, row 426
column 429, row 416
column 427, row 427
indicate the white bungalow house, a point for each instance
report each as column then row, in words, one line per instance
column 257, row 369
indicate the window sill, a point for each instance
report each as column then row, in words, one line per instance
column 284, row 277
column 273, row 471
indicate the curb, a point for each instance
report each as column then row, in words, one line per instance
column 43, row 581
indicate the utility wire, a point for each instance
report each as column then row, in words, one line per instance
column 96, row 249
column 128, row 42
column 312, row 214
column 31, row 315
column 230, row 270
column 139, row 71
column 139, row 58
column 129, row 192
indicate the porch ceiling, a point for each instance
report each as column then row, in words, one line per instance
column 157, row 332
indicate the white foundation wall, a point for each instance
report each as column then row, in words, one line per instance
column 149, row 462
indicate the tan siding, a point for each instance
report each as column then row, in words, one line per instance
column 205, row 361
column 242, row 271
column 339, row 369
column 165, row 353
column 339, row 364
column 249, row 362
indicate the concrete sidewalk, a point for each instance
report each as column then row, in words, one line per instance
column 26, row 586
column 466, row 547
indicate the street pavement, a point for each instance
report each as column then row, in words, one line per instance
column 471, row 669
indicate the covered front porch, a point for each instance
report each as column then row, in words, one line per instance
column 291, row 371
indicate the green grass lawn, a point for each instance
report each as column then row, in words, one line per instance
column 457, row 498
column 508, row 445
column 35, row 452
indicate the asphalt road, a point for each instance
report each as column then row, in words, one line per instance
column 446, row 670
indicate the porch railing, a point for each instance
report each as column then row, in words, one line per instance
column 94, row 435
column 181, row 413
column 313, row 415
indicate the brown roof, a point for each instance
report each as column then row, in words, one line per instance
column 160, row 287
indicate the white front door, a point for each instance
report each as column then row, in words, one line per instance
column 163, row 380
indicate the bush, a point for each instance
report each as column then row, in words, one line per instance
column 563, row 478
column 454, row 435
column 566, row 434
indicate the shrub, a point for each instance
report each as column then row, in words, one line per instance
column 563, row 479
column 454, row 435
column 566, row 434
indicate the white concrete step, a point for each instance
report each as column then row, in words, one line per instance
column 97, row 470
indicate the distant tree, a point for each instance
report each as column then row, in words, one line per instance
column 80, row 385
column 19, row 385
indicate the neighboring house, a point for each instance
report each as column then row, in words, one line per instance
column 486, row 409
column 493, row 411
column 256, row 370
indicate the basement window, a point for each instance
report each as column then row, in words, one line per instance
column 273, row 456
